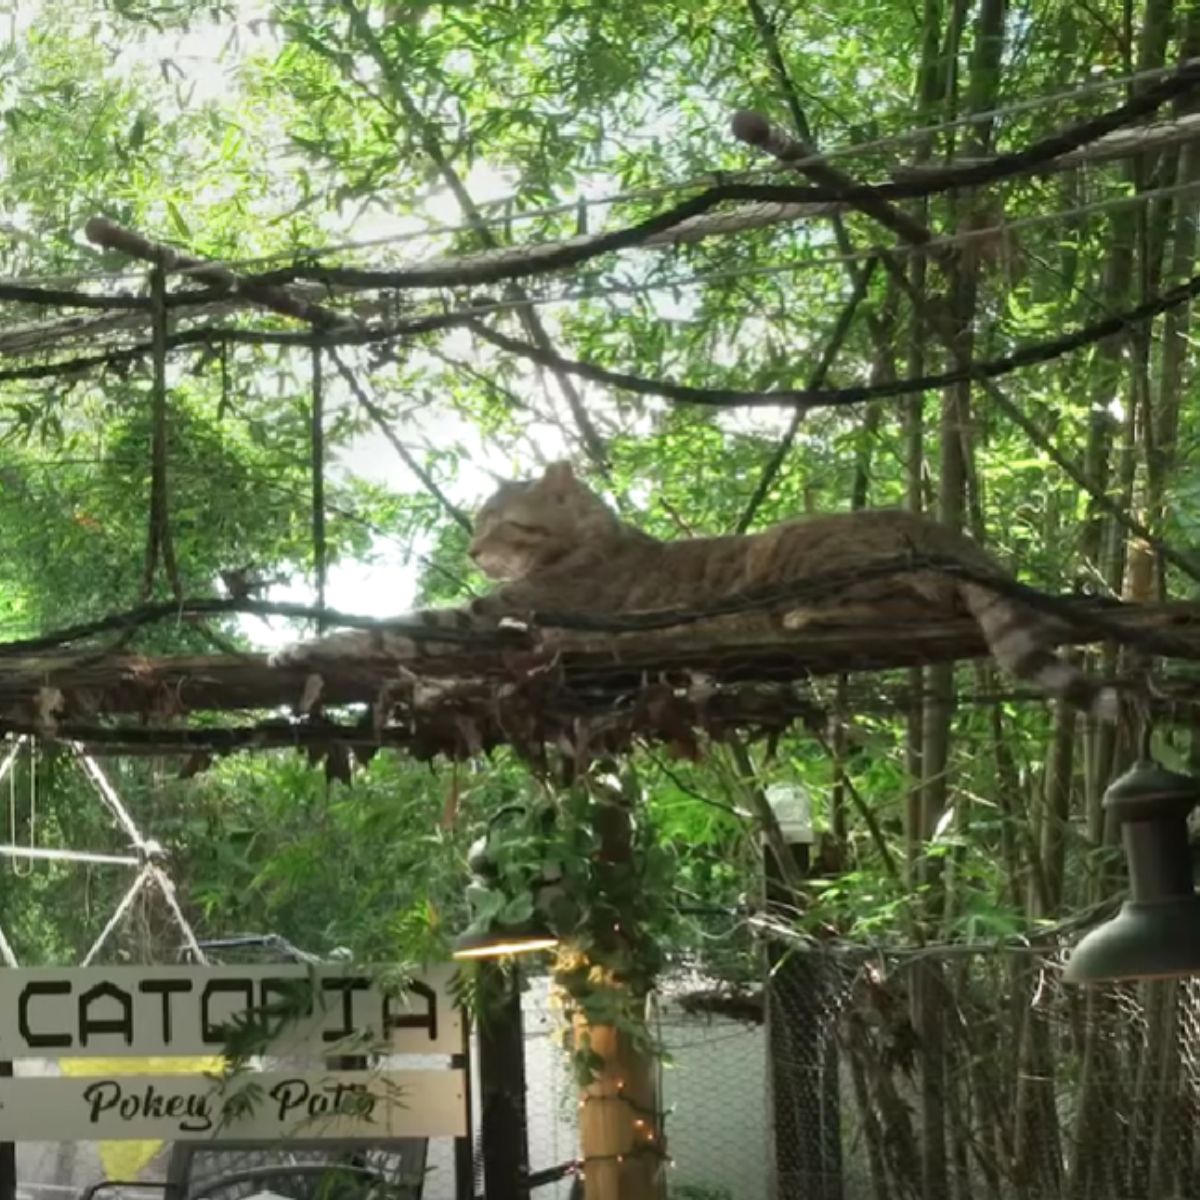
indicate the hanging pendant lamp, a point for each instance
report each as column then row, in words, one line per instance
column 1156, row 935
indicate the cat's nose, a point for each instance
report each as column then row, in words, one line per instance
column 473, row 552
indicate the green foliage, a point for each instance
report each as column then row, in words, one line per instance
column 604, row 882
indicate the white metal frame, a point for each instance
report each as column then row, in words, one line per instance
column 147, row 857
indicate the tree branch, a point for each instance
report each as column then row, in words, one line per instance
column 317, row 451
column 755, row 130
column 150, row 614
column 158, row 535
column 1038, row 352
column 379, row 417
column 217, row 334
column 535, row 330
column 770, row 40
column 108, row 234
column 832, row 348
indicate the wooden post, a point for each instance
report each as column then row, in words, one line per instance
column 620, row 1129
column 502, row 1086
column 464, row 1147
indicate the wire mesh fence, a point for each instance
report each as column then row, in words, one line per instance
column 976, row 1073
column 957, row 1073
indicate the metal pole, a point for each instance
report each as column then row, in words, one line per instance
column 801, row 1054
column 464, row 1147
column 8, row 1153
column 502, row 1087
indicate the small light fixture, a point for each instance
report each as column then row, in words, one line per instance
column 791, row 805
column 1156, row 935
column 494, row 938
column 503, row 941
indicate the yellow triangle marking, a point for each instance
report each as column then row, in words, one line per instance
column 126, row 1160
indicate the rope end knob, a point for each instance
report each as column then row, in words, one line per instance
column 750, row 127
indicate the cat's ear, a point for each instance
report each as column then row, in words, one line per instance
column 559, row 476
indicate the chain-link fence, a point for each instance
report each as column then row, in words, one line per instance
column 929, row 1075
column 981, row 1074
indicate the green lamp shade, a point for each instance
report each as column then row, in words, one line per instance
column 1156, row 935
column 1157, row 939
column 504, row 940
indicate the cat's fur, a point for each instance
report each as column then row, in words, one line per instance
column 561, row 549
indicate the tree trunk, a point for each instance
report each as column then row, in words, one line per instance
column 1165, row 425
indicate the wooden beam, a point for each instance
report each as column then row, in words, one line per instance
column 667, row 685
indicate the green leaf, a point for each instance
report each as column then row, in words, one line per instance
column 181, row 226
column 518, row 910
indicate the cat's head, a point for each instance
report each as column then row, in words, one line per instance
column 530, row 524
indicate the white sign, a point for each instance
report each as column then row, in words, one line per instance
column 103, row 1012
column 303, row 1104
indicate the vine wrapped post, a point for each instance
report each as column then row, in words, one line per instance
column 621, row 1138
column 619, row 1132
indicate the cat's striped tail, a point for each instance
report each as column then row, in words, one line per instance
column 1020, row 640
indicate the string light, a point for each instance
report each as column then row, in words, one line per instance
column 650, row 1145
column 643, row 1110
column 655, row 1152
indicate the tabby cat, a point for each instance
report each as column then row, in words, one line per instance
column 561, row 549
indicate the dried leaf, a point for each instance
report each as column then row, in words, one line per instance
column 450, row 808
column 470, row 734
column 199, row 760
column 166, row 705
column 337, row 763
column 314, row 685
column 381, row 709
column 50, row 701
